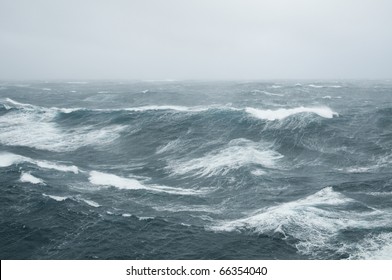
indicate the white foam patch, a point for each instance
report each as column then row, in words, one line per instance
column 34, row 126
column 58, row 167
column 324, row 86
column 372, row 247
column 146, row 218
column 316, row 86
column 19, row 104
column 91, row 203
column 175, row 208
column 28, row 178
column 168, row 107
column 170, row 146
column 358, row 169
column 55, row 197
column 238, row 153
column 257, row 172
column 8, row 159
column 126, row 215
column 267, row 92
column 308, row 221
column 105, row 179
column 283, row 113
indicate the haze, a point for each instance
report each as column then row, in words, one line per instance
column 195, row 39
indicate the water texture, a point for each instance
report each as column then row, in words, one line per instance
column 196, row 170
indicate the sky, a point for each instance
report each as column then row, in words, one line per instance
column 195, row 39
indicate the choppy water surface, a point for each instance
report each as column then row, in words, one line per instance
column 196, row 170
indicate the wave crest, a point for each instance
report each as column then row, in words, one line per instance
column 283, row 113
column 238, row 153
column 106, row 179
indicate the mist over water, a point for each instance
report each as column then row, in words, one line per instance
column 196, row 170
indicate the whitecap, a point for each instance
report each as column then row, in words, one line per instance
column 55, row 197
column 106, row 179
column 267, row 93
column 90, row 202
column 34, row 126
column 167, row 107
column 146, row 218
column 28, row 178
column 315, row 86
column 236, row 154
column 58, row 167
column 283, row 113
column 170, row 146
column 372, row 247
column 190, row 208
column 313, row 220
column 8, row 159
column 257, row 172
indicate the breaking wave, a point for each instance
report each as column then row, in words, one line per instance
column 237, row 154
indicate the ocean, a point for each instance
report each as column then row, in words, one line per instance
column 196, row 170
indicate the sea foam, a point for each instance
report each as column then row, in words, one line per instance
column 283, row 113
column 312, row 220
column 55, row 197
column 236, row 154
column 105, row 179
column 28, row 178
column 8, row 159
column 35, row 127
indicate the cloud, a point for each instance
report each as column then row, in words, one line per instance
column 232, row 39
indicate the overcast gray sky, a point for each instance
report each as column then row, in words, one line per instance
column 195, row 39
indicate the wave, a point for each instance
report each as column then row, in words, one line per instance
column 10, row 103
column 91, row 203
column 55, row 197
column 324, row 86
column 35, row 127
column 308, row 220
column 28, row 178
column 267, row 93
column 46, row 129
column 77, row 199
column 238, row 153
column 105, row 179
column 191, row 208
column 280, row 114
column 267, row 114
column 8, row 159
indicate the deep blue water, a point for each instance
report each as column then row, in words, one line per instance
column 196, row 170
